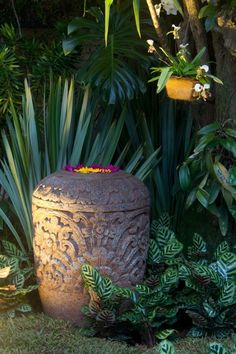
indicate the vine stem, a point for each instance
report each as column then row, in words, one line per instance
column 17, row 18
column 156, row 24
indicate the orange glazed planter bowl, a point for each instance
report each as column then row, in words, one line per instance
column 181, row 88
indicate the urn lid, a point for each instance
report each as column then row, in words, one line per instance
column 70, row 191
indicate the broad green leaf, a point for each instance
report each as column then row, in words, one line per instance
column 166, row 347
column 178, row 7
column 18, row 280
column 161, row 335
column 232, row 176
column 164, row 236
column 136, row 8
column 223, row 220
column 172, row 249
column 210, row 128
column 228, row 294
column 207, row 11
column 227, row 265
column 217, row 348
column 154, row 253
column 203, row 197
column 165, row 75
column 221, row 249
column 196, row 332
column 108, row 4
column 184, row 177
column 105, row 288
column 91, row 276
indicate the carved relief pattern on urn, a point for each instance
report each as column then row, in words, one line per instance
column 115, row 243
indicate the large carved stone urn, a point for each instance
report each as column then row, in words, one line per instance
column 100, row 219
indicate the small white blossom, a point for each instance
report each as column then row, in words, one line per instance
column 150, row 41
column 206, row 86
column 151, row 48
column 169, row 7
column 205, row 68
column 175, row 31
column 198, row 88
column 183, row 46
column 158, row 9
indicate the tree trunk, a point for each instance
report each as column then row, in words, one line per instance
column 224, row 42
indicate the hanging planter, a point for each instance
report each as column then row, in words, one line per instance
column 181, row 88
column 184, row 79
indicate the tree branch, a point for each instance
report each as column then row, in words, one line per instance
column 197, row 27
column 155, row 20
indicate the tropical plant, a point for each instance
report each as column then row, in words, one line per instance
column 10, row 82
column 209, row 174
column 158, row 121
column 152, row 308
column 70, row 132
column 213, row 281
column 16, row 277
column 201, row 286
column 110, row 69
column 183, row 66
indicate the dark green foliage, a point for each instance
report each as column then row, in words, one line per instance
column 111, row 68
column 22, row 57
column 210, row 172
column 201, row 286
column 16, row 277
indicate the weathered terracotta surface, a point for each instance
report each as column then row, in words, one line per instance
column 100, row 219
column 180, row 88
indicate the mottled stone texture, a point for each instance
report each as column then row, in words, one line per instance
column 100, row 219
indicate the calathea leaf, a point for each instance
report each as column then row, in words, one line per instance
column 199, row 245
column 162, row 221
column 18, row 280
column 172, row 249
column 217, row 348
column 164, row 333
column 221, row 249
column 211, row 312
column 154, row 253
column 143, row 289
column 105, row 288
column 196, row 332
column 90, row 276
column 166, row 347
column 164, row 235
column 106, row 316
column 11, row 250
column 228, row 294
column 226, row 265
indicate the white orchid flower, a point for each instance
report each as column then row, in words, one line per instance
column 205, row 68
column 183, row 46
column 150, row 42
column 175, row 31
column 169, row 7
column 151, row 48
column 198, row 88
column 158, row 9
column 206, row 86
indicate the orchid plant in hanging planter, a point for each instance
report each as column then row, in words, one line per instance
column 184, row 79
